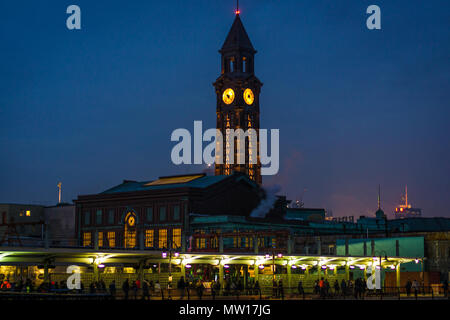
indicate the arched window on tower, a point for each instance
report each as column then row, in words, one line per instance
column 230, row 64
column 244, row 64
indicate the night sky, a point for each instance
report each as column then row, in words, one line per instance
column 355, row 108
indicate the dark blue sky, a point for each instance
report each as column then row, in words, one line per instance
column 355, row 108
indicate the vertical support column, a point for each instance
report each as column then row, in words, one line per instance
column 221, row 244
column 347, row 272
column 183, row 243
column 397, row 271
column 256, row 272
column 46, row 277
column 96, row 274
column 289, row 274
column 365, row 273
column 319, row 246
column 289, row 244
column 245, row 271
column 96, row 240
column 256, row 244
column 319, row 270
column 221, row 274
column 141, row 238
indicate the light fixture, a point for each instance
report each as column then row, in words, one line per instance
column 164, row 255
column 294, row 266
column 226, row 266
column 188, row 266
column 352, row 267
column 101, row 265
column 261, row 266
column 416, row 260
column 324, row 267
column 280, row 255
column 267, row 256
column 176, row 254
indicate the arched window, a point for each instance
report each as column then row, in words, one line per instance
column 130, row 230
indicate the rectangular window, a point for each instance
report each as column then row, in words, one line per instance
column 130, row 239
column 176, row 238
column 86, row 239
column 176, row 213
column 162, row 238
column 100, row 239
column 201, row 243
column 111, row 217
column 98, row 217
column 248, row 242
column 111, row 239
column 150, row 214
column 149, row 238
column 87, row 218
column 28, row 213
column 162, row 214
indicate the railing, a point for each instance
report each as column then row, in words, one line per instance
column 263, row 293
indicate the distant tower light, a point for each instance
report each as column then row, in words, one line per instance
column 59, row 191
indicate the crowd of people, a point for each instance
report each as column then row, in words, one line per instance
column 322, row 288
column 136, row 289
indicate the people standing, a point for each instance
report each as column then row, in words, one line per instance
column 343, row 287
column 181, row 287
column 145, row 290
column 415, row 286
column 112, row 289
column 445, row 287
column 300, row 289
column 336, row 287
column 157, row 288
column 134, row 288
column 408, row 287
column 126, row 289
column 322, row 288
column 281, row 289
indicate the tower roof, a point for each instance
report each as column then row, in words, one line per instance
column 237, row 38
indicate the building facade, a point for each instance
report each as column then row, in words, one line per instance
column 156, row 214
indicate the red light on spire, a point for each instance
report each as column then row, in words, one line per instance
column 237, row 12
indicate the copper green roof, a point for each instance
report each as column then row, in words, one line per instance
column 201, row 181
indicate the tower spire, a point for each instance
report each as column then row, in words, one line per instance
column 406, row 196
column 379, row 197
column 237, row 8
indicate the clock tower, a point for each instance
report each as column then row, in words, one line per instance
column 237, row 90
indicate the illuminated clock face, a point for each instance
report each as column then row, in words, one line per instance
column 249, row 97
column 228, row 96
column 131, row 221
